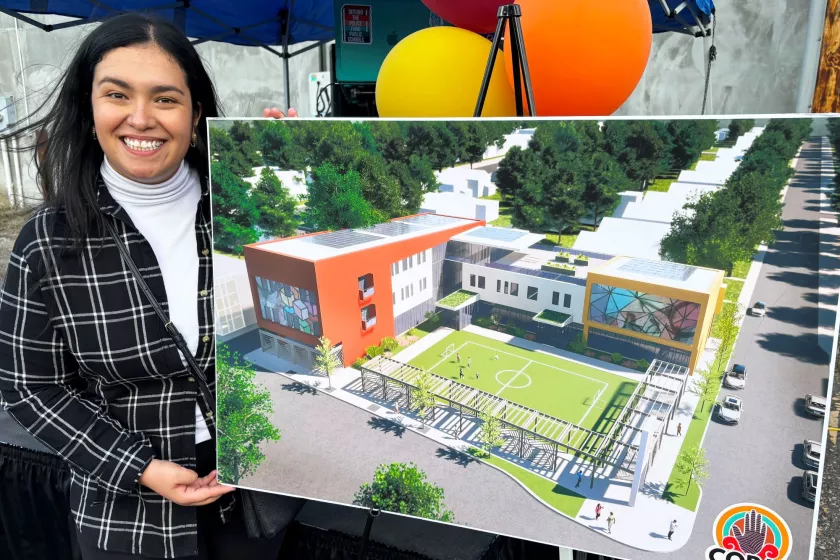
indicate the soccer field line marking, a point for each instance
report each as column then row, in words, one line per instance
column 432, row 369
column 506, row 385
column 603, row 384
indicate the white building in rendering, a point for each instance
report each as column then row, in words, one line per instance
column 466, row 182
column 460, row 206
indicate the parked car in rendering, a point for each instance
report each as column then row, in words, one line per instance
column 759, row 309
column 810, row 480
column 736, row 378
column 811, row 453
column 815, row 406
column 729, row 409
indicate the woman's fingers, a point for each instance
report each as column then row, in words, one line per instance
column 275, row 113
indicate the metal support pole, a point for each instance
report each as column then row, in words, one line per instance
column 811, row 56
column 7, row 172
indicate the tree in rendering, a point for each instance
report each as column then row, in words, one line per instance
column 275, row 206
column 402, row 488
column 490, row 435
column 234, row 209
column 693, row 465
column 244, row 410
column 706, row 384
column 726, row 330
column 336, row 201
column 422, row 398
column 326, row 359
column 737, row 127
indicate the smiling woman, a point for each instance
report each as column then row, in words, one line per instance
column 112, row 368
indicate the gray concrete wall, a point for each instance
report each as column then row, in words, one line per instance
column 760, row 48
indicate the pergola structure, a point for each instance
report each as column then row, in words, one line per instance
column 656, row 396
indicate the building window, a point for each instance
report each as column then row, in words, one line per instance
column 412, row 289
column 532, row 293
column 555, row 298
column 402, row 294
column 424, row 256
column 567, row 300
column 507, row 286
column 481, row 282
column 514, row 289
column 472, row 280
column 423, row 284
column 369, row 313
column 498, row 285
column 394, row 294
column 411, row 261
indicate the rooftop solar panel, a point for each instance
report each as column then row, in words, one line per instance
column 393, row 229
column 431, row 220
column 341, row 239
column 496, row 234
column 658, row 269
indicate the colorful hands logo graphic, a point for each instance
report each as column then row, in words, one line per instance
column 752, row 531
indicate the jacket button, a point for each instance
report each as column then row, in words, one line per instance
column 205, row 339
column 191, row 379
column 205, row 252
column 202, row 293
column 209, row 415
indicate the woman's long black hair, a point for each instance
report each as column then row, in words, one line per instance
column 68, row 166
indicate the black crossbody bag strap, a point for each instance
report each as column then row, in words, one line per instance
column 177, row 337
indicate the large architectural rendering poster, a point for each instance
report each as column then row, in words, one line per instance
column 612, row 336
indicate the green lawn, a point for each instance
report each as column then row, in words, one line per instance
column 553, row 316
column 708, row 157
column 562, row 240
column 495, row 196
column 660, row 185
column 733, row 289
column 456, row 298
column 740, row 269
column 558, row 497
column 504, row 217
column 550, row 384
column 713, row 149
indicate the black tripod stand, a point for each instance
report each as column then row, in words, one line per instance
column 509, row 14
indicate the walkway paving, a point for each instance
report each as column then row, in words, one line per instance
column 634, row 524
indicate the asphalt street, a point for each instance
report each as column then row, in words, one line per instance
column 759, row 460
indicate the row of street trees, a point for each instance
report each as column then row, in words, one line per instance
column 727, row 226
column 362, row 173
column 834, row 138
column 576, row 169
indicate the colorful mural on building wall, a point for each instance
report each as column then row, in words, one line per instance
column 289, row 306
column 658, row 316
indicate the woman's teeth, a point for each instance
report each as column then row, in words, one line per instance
column 142, row 145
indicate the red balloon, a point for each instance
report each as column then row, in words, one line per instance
column 479, row 16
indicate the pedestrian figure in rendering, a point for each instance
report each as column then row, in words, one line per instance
column 579, row 478
column 610, row 522
column 469, row 362
column 679, row 429
column 476, row 375
column 396, row 408
column 672, row 528
column 496, row 358
column 461, row 372
column 598, row 509
column 458, row 357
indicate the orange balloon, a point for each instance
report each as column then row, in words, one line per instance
column 585, row 57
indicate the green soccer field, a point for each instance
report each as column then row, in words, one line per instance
column 564, row 389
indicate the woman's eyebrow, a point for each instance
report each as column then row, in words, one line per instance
column 125, row 85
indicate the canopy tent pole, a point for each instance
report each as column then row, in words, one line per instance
column 811, row 56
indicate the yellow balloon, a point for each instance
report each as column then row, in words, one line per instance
column 437, row 72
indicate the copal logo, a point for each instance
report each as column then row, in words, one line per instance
column 750, row 532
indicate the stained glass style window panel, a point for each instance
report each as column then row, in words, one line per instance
column 658, row 316
column 289, row 306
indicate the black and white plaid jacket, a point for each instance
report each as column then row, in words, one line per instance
column 87, row 367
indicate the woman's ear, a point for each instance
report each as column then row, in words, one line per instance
column 196, row 116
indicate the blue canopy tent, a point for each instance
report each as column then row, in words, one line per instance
column 277, row 25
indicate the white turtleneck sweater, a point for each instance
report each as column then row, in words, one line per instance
column 164, row 214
